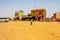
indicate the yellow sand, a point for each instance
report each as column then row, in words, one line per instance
column 22, row 30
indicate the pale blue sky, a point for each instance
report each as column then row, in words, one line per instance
column 8, row 7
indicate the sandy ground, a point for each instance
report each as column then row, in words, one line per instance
column 22, row 30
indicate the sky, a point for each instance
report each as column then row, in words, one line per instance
column 9, row 7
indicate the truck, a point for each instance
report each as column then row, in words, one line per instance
column 4, row 19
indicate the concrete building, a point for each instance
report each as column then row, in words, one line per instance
column 18, row 15
column 39, row 11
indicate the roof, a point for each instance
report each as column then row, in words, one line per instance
column 38, row 9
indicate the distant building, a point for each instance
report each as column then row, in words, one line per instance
column 39, row 11
column 56, row 16
column 18, row 15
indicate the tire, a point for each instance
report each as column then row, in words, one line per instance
column 6, row 21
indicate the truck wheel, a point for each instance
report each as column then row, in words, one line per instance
column 6, row 21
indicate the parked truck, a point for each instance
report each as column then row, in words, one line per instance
column 4, row 19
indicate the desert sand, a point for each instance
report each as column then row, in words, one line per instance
column 23, row 30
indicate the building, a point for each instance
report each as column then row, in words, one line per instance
column 56, row 16
column 39, row 11
column 18, row 15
